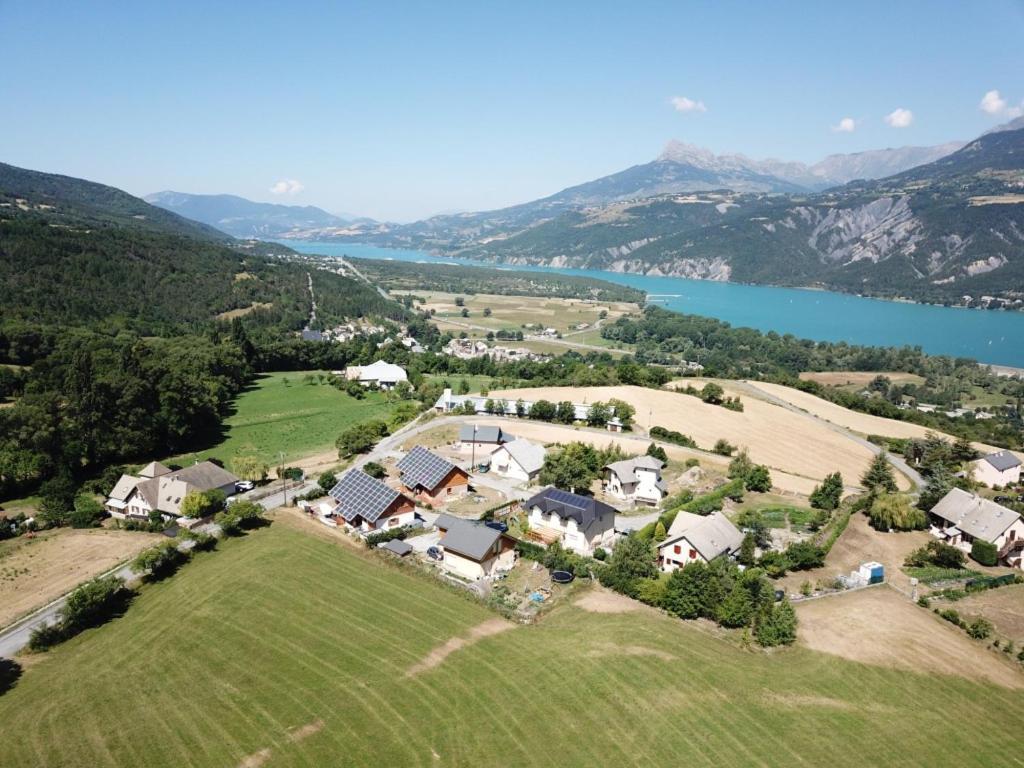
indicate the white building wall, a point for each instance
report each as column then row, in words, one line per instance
column 672, row 560
column 990, row 476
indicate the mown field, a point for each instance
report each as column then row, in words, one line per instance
column 282, row 414
column 286, row 649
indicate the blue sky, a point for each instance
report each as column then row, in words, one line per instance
column 398, row 111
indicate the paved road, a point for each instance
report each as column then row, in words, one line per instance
column 895, row 461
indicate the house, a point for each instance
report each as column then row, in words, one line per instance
column 637, row 480
column 365, row 504
column 1001, row 468
column 580, row 523
column 480, row 440
column 431, row 477
column 698, row 538
column 960, row 518
column 519, row 459
column 379, row 374
column 159, row 488
column 474, row 550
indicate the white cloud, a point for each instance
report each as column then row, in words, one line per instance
column 899, row 118
column 993, row 103
column 683, row 104
column 287, row 187
column 846, row 125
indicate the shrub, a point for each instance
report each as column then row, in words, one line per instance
column 759, row 479
column 380, row 537
column 984, row 552
column 160, row 561
column 894, row 512
column 88, row 512
column 804, row 555
column 980, row 628
column 600, row 554
column 828, row 495
column 92, row 603
column 45, row 636
column 723, row 448
column 373, row 469
column 936, row 553
column 327, row 480
column 951, row 616
column 671, row 436
column 775, row 625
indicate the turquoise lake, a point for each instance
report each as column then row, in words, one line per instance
column 988, row 336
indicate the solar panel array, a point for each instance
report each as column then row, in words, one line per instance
column 420, row 467
column 359, row 495
column 568, row 499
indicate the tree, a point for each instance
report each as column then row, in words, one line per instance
column 574, row 466
column 828, row 495
column 328, row 480
column 464, row 312
column 543, row 410
column 723, row 448
column 360, row 438
column 249, row 514
column 160, row 561
column 738, row 607
column 962, row 450
column 565, row 413
column 87, row 513
column 520, row 408
column 759, row 479
column 879, row 475
column 632, row 559
column 775, row 624
column 694, row 591
column 487, row 311
column 938, row 485
column 657, row 452
column 91, row 604
column 57, row 499
column 250, row 468
column 659, row 531
column 198, row 504
column 373, row 469
column 804, row 555
column 460, row 301
column 623, row 411
column 598, row 415
column 463, row 387
column 894, row 512
column 741, row 465
column 712, row 393
column 747, row 549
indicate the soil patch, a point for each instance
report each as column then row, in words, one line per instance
column 604, row 601
column 878, row 626
column 256, row 759
column 305, row 731
column 612, row 649
column 442, row 652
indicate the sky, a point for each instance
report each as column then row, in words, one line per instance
column 401, row 110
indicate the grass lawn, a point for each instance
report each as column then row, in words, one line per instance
column 477, row 383
column 286, row 649
column 279, row 413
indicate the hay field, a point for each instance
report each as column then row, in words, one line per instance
column 36, row 571
column 858, row 378
column 285, row 649
column 774, row 436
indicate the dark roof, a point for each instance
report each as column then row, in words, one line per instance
column 484, row 434
column 1003, row 460
column 308, row 335
column 397, row 547
column 359, row 495
column 470, row 538
column 583, row 509
column 445, row 521
column 422, row 469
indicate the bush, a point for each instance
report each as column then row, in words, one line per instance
column 160, row 561
column 375, row 470
column 759, row 479
column 828, row 495
column 380, row 537
column 92, row 603
column 980, row 628
column 327, row 480
column 45, row 636
column 984, row 552
column 723, row 448
column 804, row 555
column 775, row 625
column 671, row 436
column 88, row 512
column 938, row 554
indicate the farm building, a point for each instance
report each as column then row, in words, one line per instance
column 1001, row 468
column 159, row 488
column 431, row 477
column 380, row 374
column 473, row 550
column 481, row 440
column 960, row 518
column 366, row 504
column 519, row 460
column 637, row 480
column 698, row 538
column 580, row 523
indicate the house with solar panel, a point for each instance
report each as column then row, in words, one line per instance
column 579, row 523
column 1001, row 468
column 366, row 505
column 472, row 549
column 431, row 478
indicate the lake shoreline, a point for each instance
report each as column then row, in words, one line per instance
column 813, row 313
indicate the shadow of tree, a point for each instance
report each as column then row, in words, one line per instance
column 10, row 671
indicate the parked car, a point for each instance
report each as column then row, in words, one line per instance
column 244, row 485
column 434, row 553
column 497, row 525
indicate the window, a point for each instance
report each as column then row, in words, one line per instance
column 677, row 549
column 392, row 522
column 693, row 554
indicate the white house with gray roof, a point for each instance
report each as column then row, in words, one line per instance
column 960, row 518
column 159, row 489
column 698, row 538
column 1001, row 468
column 481, row 439
column 519, row 460
column 636, row 481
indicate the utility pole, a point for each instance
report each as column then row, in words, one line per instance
column 280, row 473
column 472, row 456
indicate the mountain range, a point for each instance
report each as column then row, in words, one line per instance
column 243, row 218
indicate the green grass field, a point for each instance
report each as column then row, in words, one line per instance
column 280, row 413
column 281, row 630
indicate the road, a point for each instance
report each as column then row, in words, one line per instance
column 898, row 463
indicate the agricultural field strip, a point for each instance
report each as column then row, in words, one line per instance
column 295, row 642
